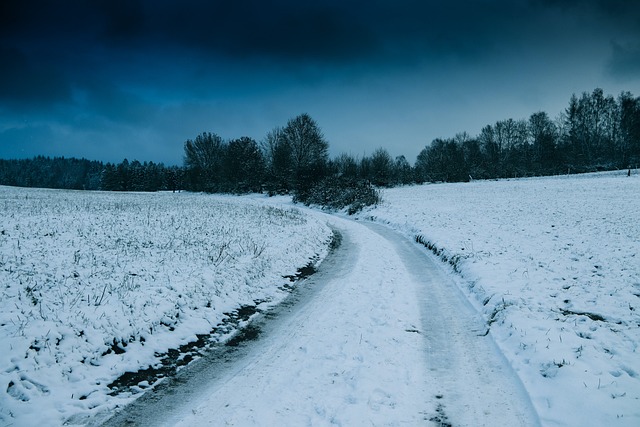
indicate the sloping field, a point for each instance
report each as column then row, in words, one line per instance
column 554, row 266
column 93, row 285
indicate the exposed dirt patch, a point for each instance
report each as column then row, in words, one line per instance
column 593, row 316
column 173, row 359
column 303, row 272
column 249, row 333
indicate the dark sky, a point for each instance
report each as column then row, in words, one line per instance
column 109, row 79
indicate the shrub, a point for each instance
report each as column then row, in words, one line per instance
column 337, row 193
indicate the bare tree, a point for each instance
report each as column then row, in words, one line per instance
column 381, row 168
column 544, row 137
column 243, row 166
column 203, row 159
column 629, row 134
column 308, row 149
column 403, row 173
column 270, row 143
column 346, row 166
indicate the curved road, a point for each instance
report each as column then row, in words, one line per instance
column 379, row 336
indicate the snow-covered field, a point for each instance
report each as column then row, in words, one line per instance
column 93, row 285
column 554, row 266
column 84, row 276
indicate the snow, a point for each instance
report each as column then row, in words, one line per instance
column 334, row 365
column 553, row 265
column 548, row 265
column 86, row 273
column 376, row 344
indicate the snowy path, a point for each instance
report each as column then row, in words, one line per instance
column 383, row 337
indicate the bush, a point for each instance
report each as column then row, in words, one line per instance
column 337, row 193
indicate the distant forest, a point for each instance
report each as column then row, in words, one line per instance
column 83, row 174
column 595, row 132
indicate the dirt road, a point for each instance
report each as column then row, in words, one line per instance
column 380, row 335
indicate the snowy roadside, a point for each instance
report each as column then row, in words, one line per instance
column 552, row 263
column 93, row 285
column 382, row 341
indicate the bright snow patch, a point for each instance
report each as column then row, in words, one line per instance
column 554, row 266
column 552, row 263
column 84, row 276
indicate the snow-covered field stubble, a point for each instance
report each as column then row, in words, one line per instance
column 93, row 285
column 554, row 266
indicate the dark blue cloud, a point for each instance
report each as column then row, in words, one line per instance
column 329, row 31
column 74, row 68
column 29, row 84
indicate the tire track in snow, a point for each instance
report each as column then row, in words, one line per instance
column 473, row 382
column 379, row 336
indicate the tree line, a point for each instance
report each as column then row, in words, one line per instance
column 57, row 172
column 595, row 132
column 136, row 176
column 290, row 159
column 293, row 159
column 83, row 174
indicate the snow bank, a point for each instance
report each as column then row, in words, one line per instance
column 554, row 266
column 93, row 285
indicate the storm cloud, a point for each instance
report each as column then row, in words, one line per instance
column 155, row 73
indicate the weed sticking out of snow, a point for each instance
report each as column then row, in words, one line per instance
column 440, row 419
column 94, row 285
column 553, row 264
